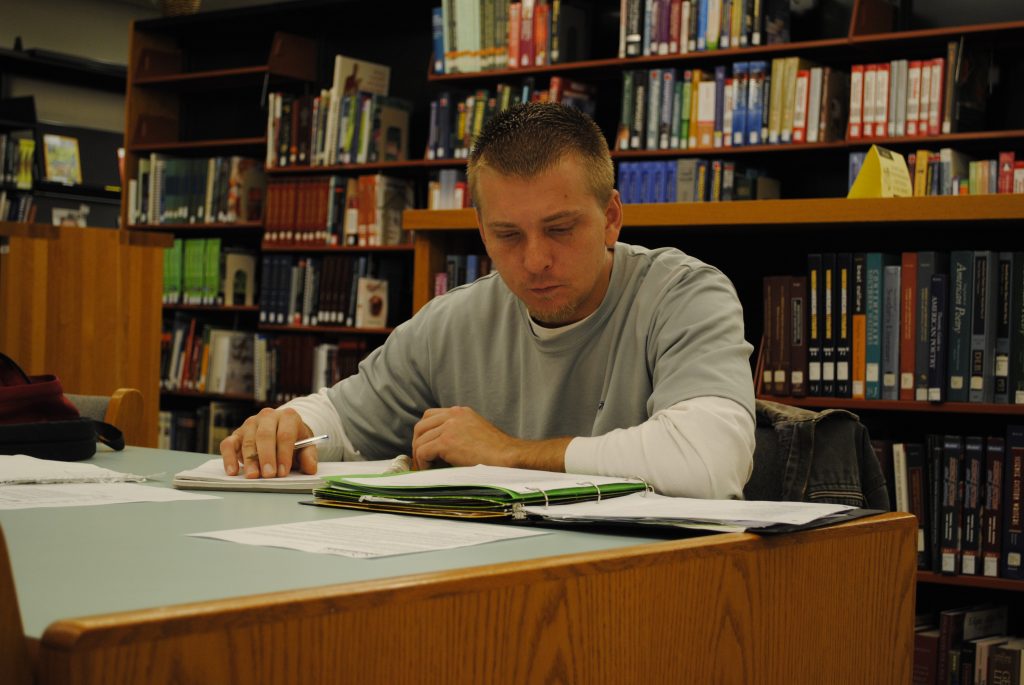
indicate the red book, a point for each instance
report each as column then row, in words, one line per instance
column 908, row 324
column 514, row 32
column 1004, row 183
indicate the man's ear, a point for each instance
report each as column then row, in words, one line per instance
column 613, row 219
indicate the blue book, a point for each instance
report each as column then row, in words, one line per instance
column 856, row 161
column 716, row 139
column 874, row 308
column 983, row 326
column 657, row 181
column 938, row 314
column 740, row 73
column 755, row 100
column 702, row 24
column 961, row 280
column 437, row 33
column 670, row 181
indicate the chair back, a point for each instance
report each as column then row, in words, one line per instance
column 122, row 409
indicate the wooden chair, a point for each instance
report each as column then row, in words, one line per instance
column 15, row 660
column 122, row 409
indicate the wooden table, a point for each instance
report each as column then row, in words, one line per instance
column 832, row 605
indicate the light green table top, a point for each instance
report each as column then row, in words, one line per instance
column 81, row 561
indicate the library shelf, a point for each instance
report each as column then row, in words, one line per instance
column 349, row 330
column 213, row 308
column 785, row 213
column 970, row 581
column 28, row 229
column 190, row 145
column 235, row 226
column 306, row 247
column 899, row 405
column 208, row 80
column 618, row 63
column 198, row 394
column 393, row 165
column 883, row 38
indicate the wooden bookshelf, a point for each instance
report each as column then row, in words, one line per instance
column 982, row 582
column 216, row 144
column 400, row 165
column 208, row 396
column 328, row 249
column 175, row 227
column 341, row 330
column 214, row 308
column 898, row 405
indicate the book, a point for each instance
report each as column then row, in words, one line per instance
column 983, row 326
column 961, row 266
column 210, row 475
column 61, row 161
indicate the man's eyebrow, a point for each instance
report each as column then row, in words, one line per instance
column 549, row 219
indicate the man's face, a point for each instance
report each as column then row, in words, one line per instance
column 548, row 238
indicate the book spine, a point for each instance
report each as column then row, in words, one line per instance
column 952, row 507
column 991, row 524
column 938, row 308
column 983, row 327
column 874, row 312
column 815, row 312
column 928, row 264
column 960, row 301
column 890, row 332
column 798, row 335
column 858, row 341
column 917, row 487
column 1013, row 497
column 830, row 315
column 908, row 325
column 842, row 296
column 973, row 469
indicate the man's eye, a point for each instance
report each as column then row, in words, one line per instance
column 560, row 230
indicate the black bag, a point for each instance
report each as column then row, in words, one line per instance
column 38, row 420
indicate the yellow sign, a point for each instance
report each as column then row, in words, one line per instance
column 883, row 174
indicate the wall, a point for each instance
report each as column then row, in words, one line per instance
column 96, row 29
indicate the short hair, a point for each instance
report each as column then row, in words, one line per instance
column 527, row 139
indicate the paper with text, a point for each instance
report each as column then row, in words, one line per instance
column 87, row 494
column 211, row 476
column 372, row 535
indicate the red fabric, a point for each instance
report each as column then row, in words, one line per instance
column 25, row 399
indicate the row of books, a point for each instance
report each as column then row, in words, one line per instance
column 457, row 118
column 448, row 189
column 966, row 494
column 202, row 271
column 482, row 35
column 352, row 121
column 361, row 210
column 17, row 157
column 205, row 358
column 965, row 645
column 370, row 128
column 668, row 27
column 16, row 206
column 926, row 326
column 336, row 290
column 290, row 366
column 693, row 180
column 952, row 172
column 459, row 270
column 186, row 190
column 201, row 430
column 732, row 105
column 919, row 97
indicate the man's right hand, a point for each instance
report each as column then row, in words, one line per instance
column 264, row 446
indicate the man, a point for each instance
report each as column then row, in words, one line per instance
column 581, row 354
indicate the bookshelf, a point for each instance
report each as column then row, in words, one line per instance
column 752, row 239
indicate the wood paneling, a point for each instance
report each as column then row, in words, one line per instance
column 86, row 306
column 831, row 605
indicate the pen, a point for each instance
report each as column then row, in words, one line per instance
column 310, row 441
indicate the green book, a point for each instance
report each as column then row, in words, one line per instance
column 469, row 491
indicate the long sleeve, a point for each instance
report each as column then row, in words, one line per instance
column 701, row 447
column 318, row 412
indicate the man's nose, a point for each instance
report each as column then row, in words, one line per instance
column 538, row 255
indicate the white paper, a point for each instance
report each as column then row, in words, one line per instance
column 521, row 481
column 211, row 476
column 651, row 507
column 87, row 495
column 21, row 468
column 372, row 535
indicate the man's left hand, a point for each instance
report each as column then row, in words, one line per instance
column 458, row 436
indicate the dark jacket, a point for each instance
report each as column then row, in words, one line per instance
column 807, row 456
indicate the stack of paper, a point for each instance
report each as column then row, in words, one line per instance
column 469, row 491
column 211, row 476
column 21, row 469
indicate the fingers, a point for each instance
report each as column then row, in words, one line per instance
column 264, row 445
column 307, row 460
column 231, row 452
